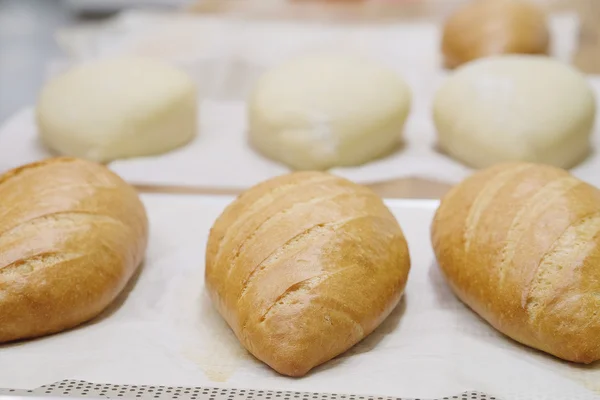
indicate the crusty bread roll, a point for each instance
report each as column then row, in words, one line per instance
column 118, row 108
column 519, row 243
column 72, row 234
column 515, row 108
column 483, row 28
column 322, row 111
column 304, row 266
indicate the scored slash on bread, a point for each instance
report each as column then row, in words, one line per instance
column 72, row 234
column 304, row 266
column 519, row 243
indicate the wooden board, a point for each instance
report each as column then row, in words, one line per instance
column 409, row 188
column 588, row 56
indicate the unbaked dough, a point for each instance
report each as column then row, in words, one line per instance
column 325, row 110
column 118, row 108
column 515, row 108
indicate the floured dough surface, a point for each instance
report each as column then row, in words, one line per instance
column 119, row 108
column 515, row 108
column 326, row 110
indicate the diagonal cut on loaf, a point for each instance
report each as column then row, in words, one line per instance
column 519, row 243
column 72, row 234
column 303, row 266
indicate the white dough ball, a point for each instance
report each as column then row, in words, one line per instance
column 515, row 108
column 321, row 111
column 120, row 108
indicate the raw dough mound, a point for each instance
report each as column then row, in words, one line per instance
column 515, row 108
column 120, row 108
column 322, row 111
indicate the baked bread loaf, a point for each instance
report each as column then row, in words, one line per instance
column 519, row 243
column 515, row 108
column 72, row 234
column 322, row 111
column 304, row 266
column 118, row 108
column 483, row 28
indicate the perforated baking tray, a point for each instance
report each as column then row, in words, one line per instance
column 81, row 389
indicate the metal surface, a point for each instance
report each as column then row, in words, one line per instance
column 80, row 389
column 116, row 5
column 27, row 44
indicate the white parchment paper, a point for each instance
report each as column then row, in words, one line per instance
column 225, row 56
column 164, row 331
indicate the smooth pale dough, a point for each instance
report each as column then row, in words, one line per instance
column 321, row 111
column 515, row 108
column 119, row 108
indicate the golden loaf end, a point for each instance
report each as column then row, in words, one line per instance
column 519, row 243
column 72, row 234
column 304, row 266
column 484, row 28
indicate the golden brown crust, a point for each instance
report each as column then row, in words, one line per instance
column 72, row 234
column 304, row 266
column 483, row 28
column 519, row 243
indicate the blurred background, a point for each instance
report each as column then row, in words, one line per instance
column 28, row 42
column 224, row 46
column 28, row 28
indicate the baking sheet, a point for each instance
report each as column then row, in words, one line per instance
column 81, row 389
column 220, row 156
column 226, row 55
column 187, row 38
column 164, row 331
